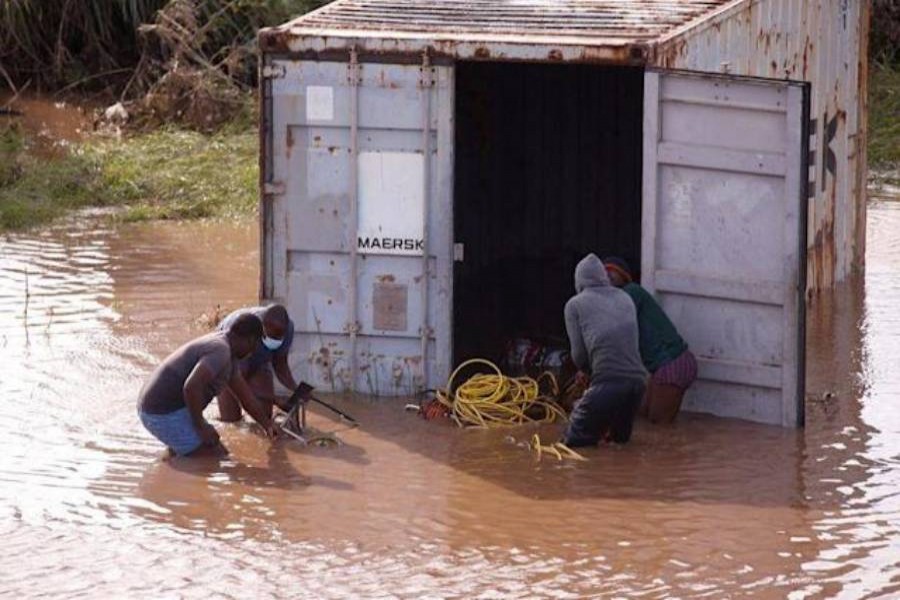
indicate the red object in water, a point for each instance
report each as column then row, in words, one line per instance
column 434, row 409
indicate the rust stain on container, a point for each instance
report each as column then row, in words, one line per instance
column 616, row 30
column 807, row 48
column 824, row 46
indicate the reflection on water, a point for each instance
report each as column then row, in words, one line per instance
column 710, row 508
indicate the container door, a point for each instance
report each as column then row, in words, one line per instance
column 360, row 194
column 723, row 235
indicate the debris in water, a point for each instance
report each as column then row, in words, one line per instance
column 557, row 449
column 116, row 114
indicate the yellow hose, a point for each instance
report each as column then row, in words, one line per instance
column 558, row 449
column 493, row 400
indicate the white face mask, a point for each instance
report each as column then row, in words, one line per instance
column 271, row 343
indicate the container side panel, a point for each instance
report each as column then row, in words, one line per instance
column 722, row 234
column 822, row 42
column 320, row 220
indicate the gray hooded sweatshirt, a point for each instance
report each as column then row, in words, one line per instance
column 602, row 325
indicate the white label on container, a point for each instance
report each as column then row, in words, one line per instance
column 319, row 103
column 391, row 203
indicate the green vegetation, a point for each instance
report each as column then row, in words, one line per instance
column 884, row 117
column 11, row 145
column 884, row 36
column 173, row 174
column 167, row 174
column 56, row 43
column 97, row 44
column 190, row 62
column 41, row 194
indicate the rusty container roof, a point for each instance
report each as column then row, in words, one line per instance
column 493, row 28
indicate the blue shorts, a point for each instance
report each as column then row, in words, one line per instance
column 175, row 429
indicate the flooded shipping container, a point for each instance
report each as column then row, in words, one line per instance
column 432, row 172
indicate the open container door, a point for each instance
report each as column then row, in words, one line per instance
column 360, row 218
column 724, row 235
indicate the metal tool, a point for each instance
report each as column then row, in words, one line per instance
column 304, row 392
column 294, row 423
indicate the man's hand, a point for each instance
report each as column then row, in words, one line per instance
column 272, row 430
column 282, row 403
column 208, row 435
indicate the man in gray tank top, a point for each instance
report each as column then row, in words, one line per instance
column 172, row 401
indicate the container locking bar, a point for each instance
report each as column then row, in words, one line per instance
column 353, row 77
column 426, row 83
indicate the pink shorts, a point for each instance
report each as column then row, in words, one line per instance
column 680, row 372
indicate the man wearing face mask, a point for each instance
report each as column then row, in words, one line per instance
column 268, row 360
column 172, row 401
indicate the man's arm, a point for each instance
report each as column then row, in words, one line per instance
column 576, row 341
column 194, row 388
column 248, row 400
column 283, row 371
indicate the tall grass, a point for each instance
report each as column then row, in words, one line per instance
column 59, row 43
column 884, row 37
column 56, row 42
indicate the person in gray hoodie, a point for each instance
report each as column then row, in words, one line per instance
column 601, row 322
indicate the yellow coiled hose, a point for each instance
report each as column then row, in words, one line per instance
column 557, row 449
column 493, row 399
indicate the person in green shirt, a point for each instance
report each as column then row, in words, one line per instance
column 664, row 352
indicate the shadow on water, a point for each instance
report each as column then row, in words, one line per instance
column 703, row 459
column 221, row 494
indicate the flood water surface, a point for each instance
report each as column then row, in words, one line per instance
column 710, row 508
column 51, row 125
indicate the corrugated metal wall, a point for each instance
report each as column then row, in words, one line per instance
column 823, row 42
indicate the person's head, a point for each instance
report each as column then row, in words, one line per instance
column 244, row 335
column 619, row 271
column 590, row 273
column 275, row 325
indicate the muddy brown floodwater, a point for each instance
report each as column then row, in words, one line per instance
column 50, row 125
column 709, row 509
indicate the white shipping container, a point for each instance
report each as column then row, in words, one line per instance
column 433, row 169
